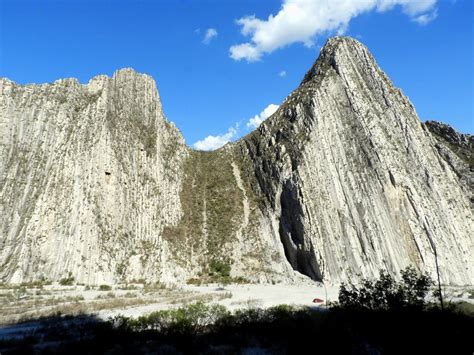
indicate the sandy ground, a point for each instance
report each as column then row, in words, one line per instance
column 246, row 296
column 18, row 310
column 270, row 295
column 242, row 296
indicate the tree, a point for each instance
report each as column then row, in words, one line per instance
column 386, row 293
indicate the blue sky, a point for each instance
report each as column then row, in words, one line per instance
column 215, row 86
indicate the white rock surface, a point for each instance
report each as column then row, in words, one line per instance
column 86, row 181
column 362, row 186
column 342, row 181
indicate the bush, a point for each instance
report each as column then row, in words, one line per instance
column 220, row 268
column 190, row 319
column 105, row 288
column 386, row 293
column 201, row 328
column 67, row 281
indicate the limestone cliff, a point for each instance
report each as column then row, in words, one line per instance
column 89, row 175
column 354, row 179
column 341, row 181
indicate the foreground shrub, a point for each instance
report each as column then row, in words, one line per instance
column 384, row 316
column 193, row 318
column 386, row 293
column 210, row 329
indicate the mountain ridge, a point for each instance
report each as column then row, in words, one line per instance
column 342, row 181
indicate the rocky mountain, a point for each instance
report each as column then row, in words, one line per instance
column 450, row 141
column 342, row 181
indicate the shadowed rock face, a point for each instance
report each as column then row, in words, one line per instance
column 342, row 181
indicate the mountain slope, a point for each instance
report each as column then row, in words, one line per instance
column 341, row 181
column 355, row 180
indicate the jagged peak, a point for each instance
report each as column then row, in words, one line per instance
column 331, row 53
column 122, row 74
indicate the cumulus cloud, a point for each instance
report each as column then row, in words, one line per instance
column 302, row 20
column 211, row 33
column 215, row 142
column 282, row 74
column 258, row 119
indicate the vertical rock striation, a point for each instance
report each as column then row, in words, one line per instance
column 356, row 181
column 342, row 181
column 89, row 176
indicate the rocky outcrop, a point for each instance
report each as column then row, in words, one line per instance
column 459, row 143
column 342, row 181
column 457, row 150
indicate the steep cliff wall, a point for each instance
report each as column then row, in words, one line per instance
column 89, row 174
column 341, row 181
column 356, row 181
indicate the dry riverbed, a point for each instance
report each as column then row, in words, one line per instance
column 28, row 302
column 23, row 304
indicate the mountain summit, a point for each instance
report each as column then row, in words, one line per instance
column 342, row 181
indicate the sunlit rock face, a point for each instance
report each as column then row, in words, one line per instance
column 356, row 181
column 342, row 181
column 89, row 176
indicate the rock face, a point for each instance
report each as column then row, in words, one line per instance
column 89, row 175
column 462, row 145
column 342, row 181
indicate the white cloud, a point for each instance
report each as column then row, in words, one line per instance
column 302, row 20
column 258, row 119
column 211, row 33
column 215, row 142
column 282, row 74
column 426, row 18
column 245, row 51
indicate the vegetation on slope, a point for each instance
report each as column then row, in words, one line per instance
column 212, row 210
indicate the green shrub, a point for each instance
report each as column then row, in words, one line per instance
column 219, row 268
column 105, row 288
column 190, row 319
column 386, row 293
column 280, row 330
column 67, row 281
column 464, row 307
